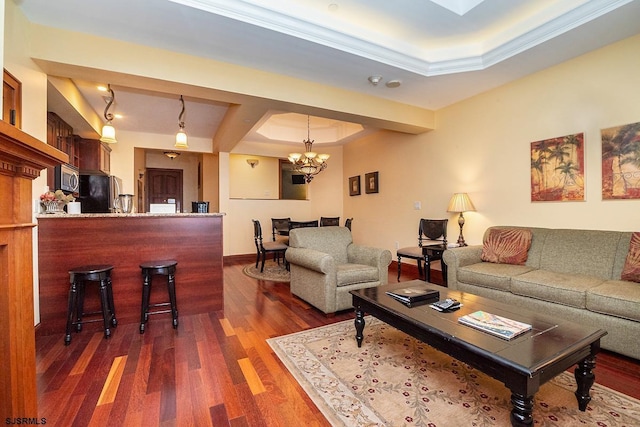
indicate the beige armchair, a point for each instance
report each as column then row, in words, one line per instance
column 326, row 265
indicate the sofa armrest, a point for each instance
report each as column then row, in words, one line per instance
column 459, row 257
column 375, row 257
column 311, row 259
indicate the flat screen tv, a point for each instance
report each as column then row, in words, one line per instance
column 297, row 179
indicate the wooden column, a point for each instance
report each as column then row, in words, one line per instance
column 22, row 157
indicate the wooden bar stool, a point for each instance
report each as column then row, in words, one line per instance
column 78, row 277
column 158, row 268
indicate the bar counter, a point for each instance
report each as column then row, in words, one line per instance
column 66, row 241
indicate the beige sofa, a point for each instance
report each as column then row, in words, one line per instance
column 573, row 274
column 326, row 264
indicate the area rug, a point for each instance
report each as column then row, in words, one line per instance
column 272, row 271
column 396, row 380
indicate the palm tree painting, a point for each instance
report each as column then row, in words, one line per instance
column 621, row 162
column 557, row 169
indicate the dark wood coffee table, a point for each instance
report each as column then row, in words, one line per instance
column 523, row 364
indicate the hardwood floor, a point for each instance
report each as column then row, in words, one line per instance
column 215, row 370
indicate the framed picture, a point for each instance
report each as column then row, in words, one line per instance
column 354, row 185
column 557, row 169
column 371, row 182
column 621, row 162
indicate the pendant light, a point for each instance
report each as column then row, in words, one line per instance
column 181, row 136
column 108, row 131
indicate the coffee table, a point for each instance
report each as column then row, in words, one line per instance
column 523, row 364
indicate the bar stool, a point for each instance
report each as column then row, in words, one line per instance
column 158, row 268
column 78, row 277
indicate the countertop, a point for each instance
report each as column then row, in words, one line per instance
column 127, row 215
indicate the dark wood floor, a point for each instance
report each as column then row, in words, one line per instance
column 215, row 370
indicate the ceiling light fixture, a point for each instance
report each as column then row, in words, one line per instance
column 181, row 136
column 393, row 83
column 310, row 163
column 171, row 154
column 374, row 80
column 108, row 134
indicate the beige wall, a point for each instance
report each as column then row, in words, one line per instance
column 482, row 146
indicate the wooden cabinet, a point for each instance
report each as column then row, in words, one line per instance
column 11, row 100
column 95, row 156
column 60, row 136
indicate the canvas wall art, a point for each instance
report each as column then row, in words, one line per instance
column 621, row 162
column 557, row 169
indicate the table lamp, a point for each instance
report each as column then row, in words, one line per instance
column 460, row 202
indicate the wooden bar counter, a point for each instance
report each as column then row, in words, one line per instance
column 124, row 241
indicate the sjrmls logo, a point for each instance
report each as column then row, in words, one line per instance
column 25, row 421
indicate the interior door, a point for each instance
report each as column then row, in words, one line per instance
column 164, row 186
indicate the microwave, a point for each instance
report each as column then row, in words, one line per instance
column 66, row 178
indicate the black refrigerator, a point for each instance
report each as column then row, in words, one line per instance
column 97, row 193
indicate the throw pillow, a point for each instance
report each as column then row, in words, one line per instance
column 507, row 246
column 631, row 270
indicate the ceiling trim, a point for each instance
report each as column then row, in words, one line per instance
column 492, row 51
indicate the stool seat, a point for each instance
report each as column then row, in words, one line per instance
column 78, row 277
column 158, row 268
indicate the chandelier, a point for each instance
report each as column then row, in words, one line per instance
column 310, row 163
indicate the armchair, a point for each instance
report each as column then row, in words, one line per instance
column 325, row 265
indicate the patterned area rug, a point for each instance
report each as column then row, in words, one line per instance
column 272, row 271
column 395, row 380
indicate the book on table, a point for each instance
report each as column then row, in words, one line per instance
column 494, row 324
column 413, row 294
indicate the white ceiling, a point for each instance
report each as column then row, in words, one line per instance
column 442, row 51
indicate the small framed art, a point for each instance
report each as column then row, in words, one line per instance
column 371, row 182
column 354, row 185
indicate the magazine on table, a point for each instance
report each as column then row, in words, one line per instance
column 494, row 324
column 413, row 294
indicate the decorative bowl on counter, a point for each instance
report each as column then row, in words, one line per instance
column 53, row 206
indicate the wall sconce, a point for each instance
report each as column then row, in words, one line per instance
column 171, row 154
column 108, row 131
column 253, row 162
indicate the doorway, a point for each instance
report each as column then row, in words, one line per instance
column 164, row 186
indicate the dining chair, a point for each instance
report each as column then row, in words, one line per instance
column 347, row 223
column 262, row 248
column 280, row 229
column 302, row 224
column 329, row 221
column 432, row 242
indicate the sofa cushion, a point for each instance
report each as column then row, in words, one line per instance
column 631, row 270
column 349, row 274
column 490, row 275
column 506, row 245
column 617, row 298
column 561, row 288
column 588, row 252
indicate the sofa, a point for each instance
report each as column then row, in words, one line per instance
column 325, row 265
column 572, row 274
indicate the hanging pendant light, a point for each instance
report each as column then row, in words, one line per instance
column 310, row 163
column 181, row 136
column 108, row 131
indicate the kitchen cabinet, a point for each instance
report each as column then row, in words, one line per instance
column 95, row 156
column 11, row 100
column 60, row 136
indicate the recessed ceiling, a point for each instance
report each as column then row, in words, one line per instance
column 442, row 51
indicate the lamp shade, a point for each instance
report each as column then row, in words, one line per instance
column 108, row 134
column 181, row 139
column 460, row 202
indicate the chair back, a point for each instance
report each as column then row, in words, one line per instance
column 257, row 233
column 329, row 221
column 347, row 223
column 432, row 229
column 279, row 224
column 330, row 240
column 302, row 224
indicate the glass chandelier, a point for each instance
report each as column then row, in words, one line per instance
column 310, row 163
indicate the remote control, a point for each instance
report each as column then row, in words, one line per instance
column 447, row 304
